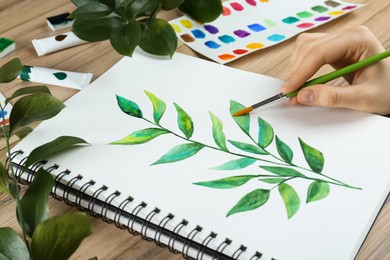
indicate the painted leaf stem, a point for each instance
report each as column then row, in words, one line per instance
column 278, row 168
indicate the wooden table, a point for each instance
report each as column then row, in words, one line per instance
column 24, row 20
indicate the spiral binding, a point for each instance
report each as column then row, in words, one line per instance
column 65, row 192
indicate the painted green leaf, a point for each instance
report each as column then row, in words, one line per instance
column 272, row 180
column 34, row 204
column 290, row 198
column 180, row 152
column 158, row 38
column 60, row 236
column 242, row 121
column 94, row 30
column 218, row 134
column 32, row 108
column 317, row 191
column 314, row 158
column 235, row 164
column 92, row 10
column 250, row 201
column 12, row 245
column 4, row 180
column 227, row 183
column 283, row 171
column 159, row 106
column 248, row 147
column 10, row 70
column 202, row 10
column 266, row 133
column 57, row 145
column 129, row 107
column 27, row 91
column 124, row 38
column 141, row 136
column 184, row 122
column 284, row 150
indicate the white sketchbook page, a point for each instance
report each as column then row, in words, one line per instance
column 240, row 14
column 354, row 145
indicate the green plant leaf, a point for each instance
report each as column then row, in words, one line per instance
column 317, row 191
column 12, row 246
column 202, row 10
column 266, row 133
column 180, row 152
column 283, row 171
column 124, row 38
column 10, row 70
column 248, row 147
column 235, row 164
column 27, row 91
column 94, row 30
column 129, row 107
column 170, row 4
column 159, row 106
column 250, row 201
column 141, row 136
column 23, row 132
column 137, row 8
column 32, row 108
column 57, row 145
column 272, row 180
column 284, row 150
column 184, row 122
column 4, row 180
column 290, row 198
column 314, row 158
column 158, row 38
column 59, row 236
column 242, row 121
column 80, row 3
column 92, row 10
column 218, row 134
column 34, row 204
column 227, row 183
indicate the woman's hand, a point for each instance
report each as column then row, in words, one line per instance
column 369, row 88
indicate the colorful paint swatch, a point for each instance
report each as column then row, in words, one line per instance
column 241, row 33
column 226, row 39
column 59, row 22
column 7, row 111
column 246, row 26
column 212, row 44
column 256, row 27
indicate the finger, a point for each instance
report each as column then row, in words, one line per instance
column 355, row 97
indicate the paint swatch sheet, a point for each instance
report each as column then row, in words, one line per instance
column 249, row 25
column 286, row 182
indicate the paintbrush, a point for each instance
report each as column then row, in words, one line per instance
column 320, row 80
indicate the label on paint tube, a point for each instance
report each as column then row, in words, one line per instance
column 55, row 43
column 69, row 79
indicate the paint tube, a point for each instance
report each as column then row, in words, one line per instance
column 70, row 79
column 59, row 22
column 6, row 46
column 55, row 43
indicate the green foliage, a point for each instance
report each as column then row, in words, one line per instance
column 34, row 104
column 58, row 237
column 129, row 107
column 131, row 23
column 278, row 171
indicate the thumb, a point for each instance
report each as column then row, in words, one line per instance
column 330, row 96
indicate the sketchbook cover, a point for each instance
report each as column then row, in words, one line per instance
column 259, row 200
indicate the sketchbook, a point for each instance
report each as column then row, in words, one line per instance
column 246, row 26
column 168, row 161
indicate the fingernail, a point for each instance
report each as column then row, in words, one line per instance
column 306, row 96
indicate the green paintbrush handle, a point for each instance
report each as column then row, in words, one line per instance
column 341, row 72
